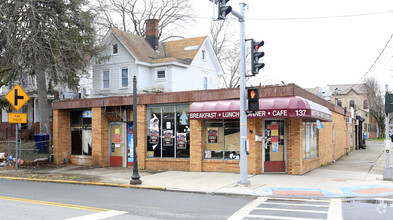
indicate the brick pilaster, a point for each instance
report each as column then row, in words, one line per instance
column 294, row 142
column 196, row 145
column 100, row 138
column 142, row 129
column 61, row 136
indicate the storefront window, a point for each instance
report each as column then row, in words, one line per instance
column 222, row 139
column 168, row 131
column 310, row 140
column 81, row 132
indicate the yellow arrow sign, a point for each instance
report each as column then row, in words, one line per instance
column 17, row 118
column 17, row 97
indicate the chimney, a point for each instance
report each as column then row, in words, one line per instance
column 152, row 32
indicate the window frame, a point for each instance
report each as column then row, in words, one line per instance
column 205, row 83
column 178, row 153
column 159, row 70
column 103, row 80
column 115, row 49
column 121, row 77
column 221, row 139
column 312, row 140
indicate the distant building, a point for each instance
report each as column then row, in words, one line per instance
column 351, row 96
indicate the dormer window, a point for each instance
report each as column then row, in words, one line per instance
column 203, row 54
column 115, row 49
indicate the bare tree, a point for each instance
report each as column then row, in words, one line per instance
column 227, row 50
column 376, row 106
column 130, row 15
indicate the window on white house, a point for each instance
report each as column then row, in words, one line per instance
column 105, row 79
column 204, row 83
column 115, row 49
column 203, row 54
column 124, row 77
column 161, row 74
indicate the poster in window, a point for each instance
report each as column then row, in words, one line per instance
column 117, row 136
column 212, row 135
column 275, row 147
column 168, row 141
column 181, row 140
column 154, row 131
column 130, row 143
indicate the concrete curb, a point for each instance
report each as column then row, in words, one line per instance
column 82, row 183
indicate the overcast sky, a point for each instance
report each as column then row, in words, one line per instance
column 315, row 42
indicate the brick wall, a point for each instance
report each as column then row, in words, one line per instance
column 167, row 164
column 230, row 166
column 294, row 145
column 142, row 134
column 196, row 145
column 332, row 143
column 61, row 136
column 100, row 138
column 254, row 159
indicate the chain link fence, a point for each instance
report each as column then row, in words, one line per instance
column 25, row 151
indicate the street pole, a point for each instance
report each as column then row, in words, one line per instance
column 387, row 171
column 243, row 115
column 16, row 148
column 135, row 178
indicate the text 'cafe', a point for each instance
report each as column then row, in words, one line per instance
column 293, row 132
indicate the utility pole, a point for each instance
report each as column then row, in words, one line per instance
column 387, row 171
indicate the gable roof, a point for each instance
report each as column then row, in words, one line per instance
column 182, row 51
column 342, row 89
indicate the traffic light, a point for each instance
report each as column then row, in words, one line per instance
column 388, row 103
column 253, row 99
column 255, row 56
column 223, row 9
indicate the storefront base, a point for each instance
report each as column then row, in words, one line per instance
column 167, row 164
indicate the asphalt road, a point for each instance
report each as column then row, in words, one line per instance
column 40, row 200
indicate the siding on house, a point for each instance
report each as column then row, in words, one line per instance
column 183, row 64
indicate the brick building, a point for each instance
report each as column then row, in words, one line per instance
column 199, row 131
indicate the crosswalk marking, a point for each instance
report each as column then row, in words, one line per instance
column 291, row 210
column 100, row 215
column 281, row 208
column 309, row 205
column 335, row 210
column 245, row 211
column 276, row 217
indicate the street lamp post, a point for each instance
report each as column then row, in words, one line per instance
column 135, row 178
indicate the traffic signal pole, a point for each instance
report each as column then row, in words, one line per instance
column 223, row 10
column 243, row 115
column 387, row 171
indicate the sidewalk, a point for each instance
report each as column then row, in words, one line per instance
column 358, row 174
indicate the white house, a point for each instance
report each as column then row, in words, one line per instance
column 180, row 65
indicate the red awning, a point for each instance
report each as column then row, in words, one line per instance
column 279, row 107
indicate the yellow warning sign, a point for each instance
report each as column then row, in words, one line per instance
column 17, row 97
column 17, row 117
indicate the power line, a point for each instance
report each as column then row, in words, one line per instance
column 310, row 18
column 387, row 43
column 324, row 17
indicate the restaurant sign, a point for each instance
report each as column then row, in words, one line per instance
column 278, row 113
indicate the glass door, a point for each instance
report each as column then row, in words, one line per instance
column 274, row 146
